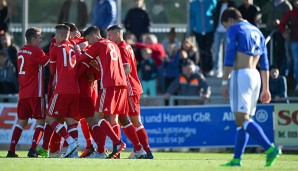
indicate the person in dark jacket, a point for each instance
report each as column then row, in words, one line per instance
column 8, row 79
column 148, row 73
column 250, row 12
column 277, row 85
column 190, row 83
column 137, row 20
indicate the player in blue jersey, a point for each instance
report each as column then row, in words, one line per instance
column 245, row 49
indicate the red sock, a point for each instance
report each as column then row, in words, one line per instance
column 17, row 132
column 60, row 129
column 47, row 134
column 143, row 137
column 131, row 134
column 37, row 136
column 86, row 132
column 55, row 143
column 116, row 129
column 106, row 127
column 99, row 137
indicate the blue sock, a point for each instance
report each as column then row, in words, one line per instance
column 240, row 142
column 254, row 130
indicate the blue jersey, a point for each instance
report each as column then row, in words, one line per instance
column 246, row 38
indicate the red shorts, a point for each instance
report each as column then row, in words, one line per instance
column 64, row 105
column 134, row 105
column 31, row 108
column 86, row 108
column 112, row 100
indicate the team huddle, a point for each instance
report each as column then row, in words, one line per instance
column 93, row 81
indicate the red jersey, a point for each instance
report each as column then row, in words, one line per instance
column 31, row 60
column 158, row 51
column 133, row 83
column 108, row 56
column 63, row 64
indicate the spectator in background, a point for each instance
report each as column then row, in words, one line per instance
column 8, row 79
column 274, row 12
column 171, row 66
column 4, row 17
column 10, row 49
column 189, row 51
column 189, row 83
column 202, row 26
column 137, row 20
column 250, row 12
column 171, row 39
column 277, row 85
column 290, row 20
column 158, row 54
column 148, row 73
column 220, row 36
column 158, row 14
column 104, row 15
column 74, row 11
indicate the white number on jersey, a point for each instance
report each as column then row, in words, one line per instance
column 22, row 64
column 113, row 52
column 72, row 63
column 257, row 41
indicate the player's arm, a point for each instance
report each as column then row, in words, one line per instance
column 229, row 60
column 264, row 67
column 125, row 55
column 53, row 57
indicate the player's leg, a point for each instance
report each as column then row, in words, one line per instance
column 17, row 132
column 87, row 135
column 131, row 134
column 134, row 115
column 142, row 135
column 38, row 112
column 39, row 129
column 23, row 115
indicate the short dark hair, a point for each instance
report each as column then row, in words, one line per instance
column 273, row 67
column 115, row 27
column 91, row 30
column 32, row 32
column 62, row 27
column 72, row 26
column 187, row 62
column 230, row 13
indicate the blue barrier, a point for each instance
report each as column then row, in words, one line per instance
column 213, row 126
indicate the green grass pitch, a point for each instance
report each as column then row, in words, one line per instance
column 163, row 161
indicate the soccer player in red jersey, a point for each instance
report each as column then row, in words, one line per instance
column 115, row 34
column 65, row 99
column 86, row 104
column 31, row 104
column 112, row 96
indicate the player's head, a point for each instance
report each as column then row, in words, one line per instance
column 115, row 33
column 92, row 34
column 74, row 31
column 230, row 16
column 62, row 32
column 33, row 36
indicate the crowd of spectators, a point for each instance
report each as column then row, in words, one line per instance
column 161, row 64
